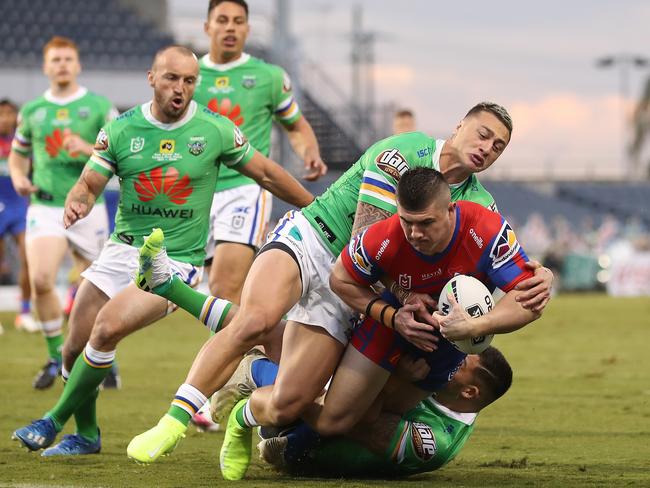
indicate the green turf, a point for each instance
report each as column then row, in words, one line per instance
column 578, row 413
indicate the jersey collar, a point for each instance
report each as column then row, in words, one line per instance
column 146, row 112
column 207, row 62
column 81, row 91
column 466, row 418
column 435, row 160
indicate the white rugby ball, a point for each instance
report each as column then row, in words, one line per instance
column 476, row 299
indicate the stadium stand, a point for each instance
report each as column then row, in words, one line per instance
column 109, row 35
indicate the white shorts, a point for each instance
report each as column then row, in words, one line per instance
column 318, row 305
column 117, row 265
column 86, row 237
column 240, row 215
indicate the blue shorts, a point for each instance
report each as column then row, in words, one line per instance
column 13, row 216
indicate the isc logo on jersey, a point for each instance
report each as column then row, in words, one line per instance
column 505, row 246
column 240, row 138
column 358, row 256
column 392, row 163
column 423, row 440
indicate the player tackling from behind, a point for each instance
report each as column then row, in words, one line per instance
column 167, row 154
column 57, row 130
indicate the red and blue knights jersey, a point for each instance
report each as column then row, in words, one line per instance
column 483, row 245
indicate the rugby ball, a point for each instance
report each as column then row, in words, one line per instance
column 476, row 299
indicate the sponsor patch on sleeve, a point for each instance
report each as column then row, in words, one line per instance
column 423, row 441
column 359, row 257
column 392, row 163
column 505, row 246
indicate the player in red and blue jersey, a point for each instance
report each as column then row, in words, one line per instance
column 426, row 243
column 13, row 213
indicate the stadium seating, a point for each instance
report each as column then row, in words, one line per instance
column 109, row 35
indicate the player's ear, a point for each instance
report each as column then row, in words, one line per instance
column 150, row 77
column 470, row 392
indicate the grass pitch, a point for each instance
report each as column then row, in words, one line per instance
column 578, row 413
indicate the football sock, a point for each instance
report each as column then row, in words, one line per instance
column 52, row 330
column 264, row 372
column 244, row 415
column 85, row 417
column 25, row 306
column 87, row 374
column 208, row 309
column 301, row 440
column 186, row 403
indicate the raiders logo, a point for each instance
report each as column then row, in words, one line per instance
column 423, row 440
column 392, row 163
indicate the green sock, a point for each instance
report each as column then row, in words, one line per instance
column 239, row 414
column 54, row 346
column 83, row 382
column 85, row 417
column 179, row 414
column 183, row 295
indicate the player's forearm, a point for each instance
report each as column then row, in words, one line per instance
column 81, row 194
column 507, row 316
column 18, row 165
column 355, row 295
column 284, row 186
column 302, row 138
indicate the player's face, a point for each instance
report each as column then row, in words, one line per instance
column 61, row 65
column 479, row 140
column 173, row 79
column 227, row 26
column 7, row 119
column 429, row 230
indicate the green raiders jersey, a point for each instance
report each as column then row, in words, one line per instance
column 167, row 174
column 251, row 93
column 427, row 437
column 42, row 126
column 373, row 180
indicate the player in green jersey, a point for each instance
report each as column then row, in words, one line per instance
column 57, row 130
column 251, row 93
column 291, row 272
column 422, row 439
column 167, row 154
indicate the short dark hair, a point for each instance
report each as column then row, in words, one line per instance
column 404, row 112
column 5, row 102
column 418, row 187
column 495, row 109
column 494, row 373
column 214, row 3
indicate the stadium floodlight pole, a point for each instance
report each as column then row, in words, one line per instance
column 624, row 63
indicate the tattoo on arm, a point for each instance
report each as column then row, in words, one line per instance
column 367, row 215
column 376, row 436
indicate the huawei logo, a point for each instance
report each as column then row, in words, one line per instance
column 226, row 109
column 156, row 182
column 54, row 143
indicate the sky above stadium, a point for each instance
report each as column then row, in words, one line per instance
column 537, row 59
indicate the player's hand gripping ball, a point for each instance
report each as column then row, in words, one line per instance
column 474, row 297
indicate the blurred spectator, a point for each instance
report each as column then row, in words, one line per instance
column 403, row 121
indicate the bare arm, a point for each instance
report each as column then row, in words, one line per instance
column 366, row 215
column 75, row 145
column 19, row 169
column 270, row 175
column 82, row 196
column 507, row 316
column 303, row 141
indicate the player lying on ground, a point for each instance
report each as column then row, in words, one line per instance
column 291, row 274
column 167, row 153
column 428, row 242
column 423, row 439
column 475, row 384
